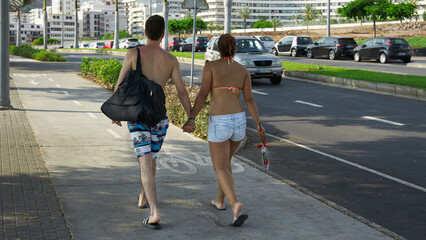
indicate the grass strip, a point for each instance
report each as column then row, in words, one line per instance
column 357, row 74
column 188, row 55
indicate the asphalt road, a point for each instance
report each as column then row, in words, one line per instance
column 364, row 151
column 394, row 66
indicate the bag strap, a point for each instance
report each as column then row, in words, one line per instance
column 138, row 63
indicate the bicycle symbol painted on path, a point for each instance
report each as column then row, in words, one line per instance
column 187, row 164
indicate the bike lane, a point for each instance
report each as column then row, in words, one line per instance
column 96, row 176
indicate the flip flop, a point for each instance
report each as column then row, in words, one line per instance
column 153, row 226
column 144, row 206
column 238, row 221
column 214, row 205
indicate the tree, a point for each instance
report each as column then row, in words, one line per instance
column 211, row 26
column 310, row 13
column 200, row 24
column 276, row 23
column 228, row 8
column 297, row 17
column 424, row 16
column 376, row 10
column 19, row 6
column 244, row 14
column 262, row 23
column 174, row 26
column 117, row 26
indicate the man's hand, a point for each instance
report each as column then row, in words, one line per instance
column 116, row 122
column 189, row 126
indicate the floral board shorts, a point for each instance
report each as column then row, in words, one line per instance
column 147, row 139
column 229, row 126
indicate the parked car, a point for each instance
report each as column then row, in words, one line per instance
column 382, row 49
column 85, row 45
column 268, row 42
column 108, row 45
column 174, row 43
column 252, row 54
column 200, row 44
column 292, row 45
column 126, row 43
column 97, row 45
column 332, row 48
column 142, row 42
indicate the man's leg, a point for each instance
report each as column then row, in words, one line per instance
column 147, row 168
column 142, row 195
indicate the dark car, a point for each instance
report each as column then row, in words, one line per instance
column 382, row 49
column 292, row 45
column 174, row 43
column 200, row 44
column 332, row 48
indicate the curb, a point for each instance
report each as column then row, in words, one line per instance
column 379, row 87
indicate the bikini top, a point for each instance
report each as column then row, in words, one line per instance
column 232, row 89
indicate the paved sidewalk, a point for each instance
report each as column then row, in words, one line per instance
column 96, row 176
column 28, row 203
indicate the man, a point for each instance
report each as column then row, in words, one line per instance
column 158, row 66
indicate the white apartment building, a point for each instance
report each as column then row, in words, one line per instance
column 137, row 18
column 29, row 32
column 57, row 6
column 96, row 18
column 55, row 26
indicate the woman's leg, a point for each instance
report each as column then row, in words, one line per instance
column 221, row 156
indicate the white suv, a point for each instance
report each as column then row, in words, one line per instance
column 252, row 54
column 128, row 43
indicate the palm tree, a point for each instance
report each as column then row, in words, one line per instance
column 44, row 25
column 17, row 6
column 296, row 17
column 166, row 29
column 276, row 23
column 244, row 14
column 116, row 27
column 310, row 13
column 228, row 8
column 76, row 24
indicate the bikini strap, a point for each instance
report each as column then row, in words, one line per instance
column 232, row 89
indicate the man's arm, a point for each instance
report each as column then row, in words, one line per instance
column 180, row 87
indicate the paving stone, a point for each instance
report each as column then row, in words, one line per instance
column 27, row 200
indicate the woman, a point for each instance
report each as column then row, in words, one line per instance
column 224, row 80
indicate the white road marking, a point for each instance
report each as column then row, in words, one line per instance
column 308, row 103
column 408, row 184
column 77, row 103
column 33, row 82
column 383, row 120
column 57, row 85
column 190, row 77
column 113, row 133
column 258, row 92
column 65, row 92
column 50, row 79
column 92, row 115
column 44, row 75
column 399, row 73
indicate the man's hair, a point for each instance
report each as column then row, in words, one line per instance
column 226, row 45
column 154, row 27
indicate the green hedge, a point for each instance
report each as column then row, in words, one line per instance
column 41, row 55
column 107, row 71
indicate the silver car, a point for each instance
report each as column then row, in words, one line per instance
column 268, row 42
column 253, row 55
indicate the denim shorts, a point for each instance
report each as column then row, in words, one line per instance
column 229, row 126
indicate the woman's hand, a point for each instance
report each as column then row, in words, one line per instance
column 189, row 126
column 261, row 132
